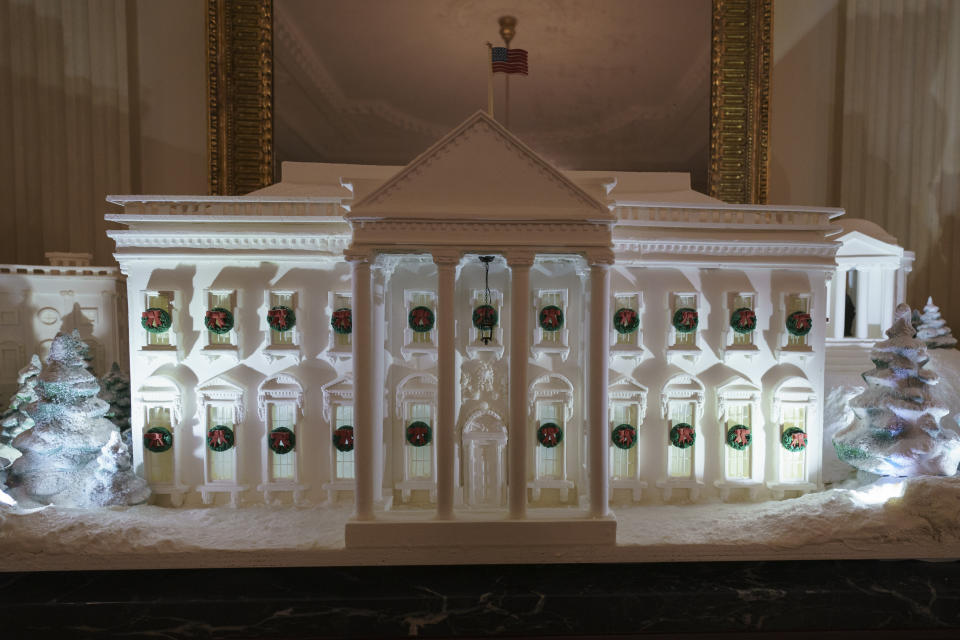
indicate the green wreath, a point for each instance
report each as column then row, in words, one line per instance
column 419, row 433
column 738, row 437
column 281, row 318
column 549, row 435
column 343, row 438
column 551, row 318
column 342, row 321
column 282, row 440
column 421, row 319
column 626, row 320
column 220, row 438
column 156, row 320
column 158, row 439
column 794, row 439
column 743, row 320
column 485, row 317
column 682, row 435
column 799, row 323
column 218, row 320
column 624, row 436
column 685, row 320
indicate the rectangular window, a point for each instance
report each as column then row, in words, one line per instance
column 420, row 459
column 342, row 301
column 680, row 461
column 737, row 462
column 623, row 462
column 627, row 301
column 159, row 300
column 344, row 461
column 160, row 465
column 423, row 299
column 684, row 301
column 743, row 301
column 222, row 464
column 797, row 302
column 282, row 414
column 282, row 299
column 793, row 463
column 219, row 300
column 550, row 459
column 552, row 298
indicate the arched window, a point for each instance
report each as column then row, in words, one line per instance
column 794, row 407
column 280, row 408
column 740, row 434
column 157, row 429
column 551, row 400
column 416, row 407
column 220, row 408
column 628, row 408
column 681, row 407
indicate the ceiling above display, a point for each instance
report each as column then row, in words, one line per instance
column 613, row 85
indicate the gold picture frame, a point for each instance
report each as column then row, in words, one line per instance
column 240, row 97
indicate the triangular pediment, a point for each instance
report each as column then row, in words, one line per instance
column 855, row 243
column 480, row 171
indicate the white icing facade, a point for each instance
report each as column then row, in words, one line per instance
column 383, row 241
column 39, row 301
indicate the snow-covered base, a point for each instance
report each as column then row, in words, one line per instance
column 890, row 518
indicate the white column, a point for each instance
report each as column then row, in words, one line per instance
column 839, row 315
column 597, row 385
column 445, row 431
column 377, row 342
column 887, row 296
column 364, row 442
column 863, row 297
column 520, row 263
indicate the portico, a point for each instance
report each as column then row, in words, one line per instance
column 478, row 190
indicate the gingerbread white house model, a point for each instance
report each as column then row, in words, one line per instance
column 477, row 337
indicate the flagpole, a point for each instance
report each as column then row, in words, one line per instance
column 490, row 80
column 508, row 28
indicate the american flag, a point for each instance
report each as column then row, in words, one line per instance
column 509, row 60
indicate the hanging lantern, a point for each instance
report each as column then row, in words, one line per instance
column 485, row 316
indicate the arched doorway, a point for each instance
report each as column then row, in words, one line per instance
column 484, row 444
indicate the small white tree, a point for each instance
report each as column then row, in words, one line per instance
column 933, row 329
column 114, row 482
column 115, row 390
column 897, row 429
column 15, row 420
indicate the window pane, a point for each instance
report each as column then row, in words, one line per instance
column 159, row 301
column 792, row 463
column 738, row 462
column 222, row 463
column 680, row 461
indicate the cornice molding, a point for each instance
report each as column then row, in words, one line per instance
column 320, row 242
column 733, row 249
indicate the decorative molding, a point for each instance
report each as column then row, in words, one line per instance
column 295, row 241
column 740, row 100
column 239, row 95
column 729, row 248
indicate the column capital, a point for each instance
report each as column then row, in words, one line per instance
column 520, row 258
column 600, row 257
column 446, row 257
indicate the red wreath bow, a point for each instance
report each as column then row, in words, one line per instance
column 155, row 438
column 280, row 439
column 798, row 439
column 279, row 316
column 688, row 318
column 551, row 317
column 625, row 317
column 418, row 435
column 684, row 435
column 218, row 318
column 421, row 317
column 802, row 321
column 341, row 319
column 345, row 437
column 741, row 435
column 485, row 315
column 625, row 436
column 747, row 318
column 217, row 438
column 154, row 318
column 550, row 435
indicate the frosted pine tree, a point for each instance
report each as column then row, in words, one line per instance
column 933, row 329
column 897, row 429
column 113, row 481
column 59, row 453
column 115, row 390
column 15, row 420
